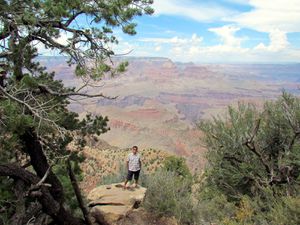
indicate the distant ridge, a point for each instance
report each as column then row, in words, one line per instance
column 115, row 57
column 179, row 63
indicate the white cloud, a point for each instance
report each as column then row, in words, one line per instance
column 232, row 54
column 190, row 9
column 176, row 45
column 229, row 50
column 174, row 40
column 227, row 35
column 240, row 2
column 157, row 48
column 269, row 15
column 193, row 48
column 278, row 41
column 229, row 44
column 177, row 51
column 275, row 17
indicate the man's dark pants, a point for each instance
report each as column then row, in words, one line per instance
column 136, row 175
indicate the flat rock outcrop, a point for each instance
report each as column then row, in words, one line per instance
column 110, row 203
column 141, row 217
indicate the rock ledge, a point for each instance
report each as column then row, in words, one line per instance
column 110, row 203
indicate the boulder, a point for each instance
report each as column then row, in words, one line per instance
column 110, row 203
column 141, row 217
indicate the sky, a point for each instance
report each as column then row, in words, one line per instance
column 218, row 31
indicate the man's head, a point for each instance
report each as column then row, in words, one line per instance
column 134, row 149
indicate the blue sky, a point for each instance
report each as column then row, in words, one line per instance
column 214, row 31
column 217, row 31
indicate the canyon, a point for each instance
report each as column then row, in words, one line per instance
column 160, row 102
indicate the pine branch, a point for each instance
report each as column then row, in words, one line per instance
column 72, row 18
column 47, row 89
column 38, row 112
column 5, row 54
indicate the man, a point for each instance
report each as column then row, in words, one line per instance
column 134, row 165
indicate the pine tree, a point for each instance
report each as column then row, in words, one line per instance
column 36, row 125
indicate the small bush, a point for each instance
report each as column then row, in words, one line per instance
column 285, row 211
column 212, row 207
column 120, row 176
column 169, row 195
column 115, row 177
column 177, row 165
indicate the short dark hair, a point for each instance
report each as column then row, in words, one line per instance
column 136, row 147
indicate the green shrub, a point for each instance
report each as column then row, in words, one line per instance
column 117, row 177
column 120, row 176
column 253, row 169
column 215, row 210
column 177, row 165
column 285, row 211
column 255, row 149
column 169, row 195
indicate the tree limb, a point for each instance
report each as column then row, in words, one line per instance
column 249, row 143
column 41, row 182
column 47, row 89
column 72, row 18
column 78, row 194
column 291, row 118
column 5, row 54
column 6, row 32
column 255, row 130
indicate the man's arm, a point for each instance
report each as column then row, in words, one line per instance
column 127, row 162
column 140, row 162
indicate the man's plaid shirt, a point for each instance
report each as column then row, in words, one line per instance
column 134, row 162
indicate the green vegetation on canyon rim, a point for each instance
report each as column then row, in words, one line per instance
column 252, row 176
column 36, row 124
column 254, row 163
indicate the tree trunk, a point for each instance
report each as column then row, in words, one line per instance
column 78, row 194
column 49, row 205
column 40, row 164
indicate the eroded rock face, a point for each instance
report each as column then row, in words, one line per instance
column 110, row 203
